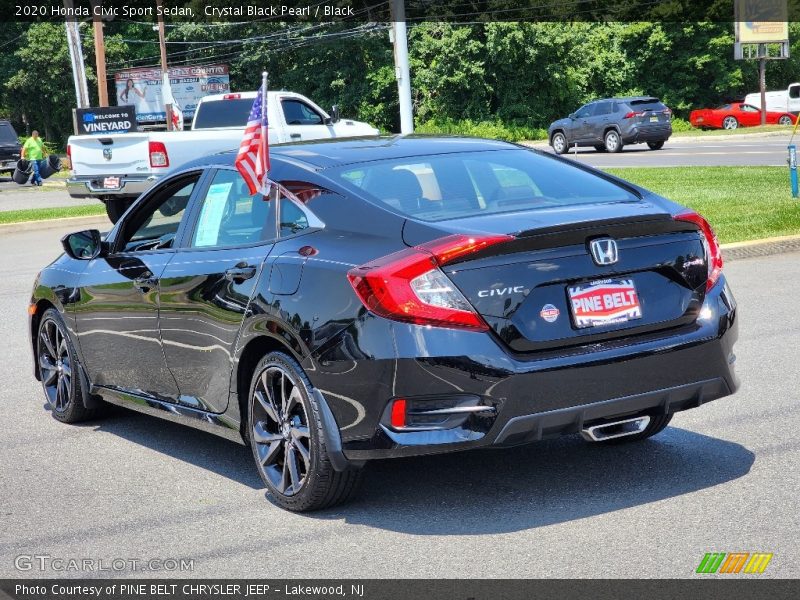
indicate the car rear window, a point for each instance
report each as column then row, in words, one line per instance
column 7, row 134
column 223, row 113
column 449, row 186
column 651, row 104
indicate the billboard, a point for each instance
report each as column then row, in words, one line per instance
column 141, row 88
column 761, row 21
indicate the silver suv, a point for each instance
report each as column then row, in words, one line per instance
column 611, row 123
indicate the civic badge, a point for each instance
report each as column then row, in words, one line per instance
column 604, row 251
column 107, row 153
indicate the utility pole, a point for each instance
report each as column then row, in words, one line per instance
column 164, row 72
column 76, row 57
column 401, row 69
column 762, row 82
column 100, row 58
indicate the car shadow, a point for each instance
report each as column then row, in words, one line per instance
column 480, row 491
column 549, row 482
column 206, row 450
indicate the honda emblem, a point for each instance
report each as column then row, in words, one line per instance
column 604, row 251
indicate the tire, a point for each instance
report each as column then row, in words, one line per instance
column 60, row 370
column 286, row 436
column 116, row 207
column 600, row 148
column 655, row 145
column 613, row 142
column 559, row 143
column 730, row 123
column 785, row 120
column 656, row 425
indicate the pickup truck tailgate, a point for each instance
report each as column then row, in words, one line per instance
column 117, row 155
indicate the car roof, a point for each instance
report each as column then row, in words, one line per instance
column 323, row 154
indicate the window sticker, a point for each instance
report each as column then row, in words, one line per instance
column 211, row 216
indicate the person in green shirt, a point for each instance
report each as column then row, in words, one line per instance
column 33, row 150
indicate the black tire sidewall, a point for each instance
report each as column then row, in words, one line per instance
column 317, row 449
column 74, row 409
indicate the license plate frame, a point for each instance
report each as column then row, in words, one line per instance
column 111, row 183
column 654, row 119
column 604, row 302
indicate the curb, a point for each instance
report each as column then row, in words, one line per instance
column 78, row 222
column 763, row 247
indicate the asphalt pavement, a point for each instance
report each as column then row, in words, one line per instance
column 711, row 151
column 723, row 477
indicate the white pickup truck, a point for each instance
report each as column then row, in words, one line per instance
column 787, row 101
column 116, row 168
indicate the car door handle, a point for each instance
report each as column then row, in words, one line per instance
column 295, row 136
column 240, row 273
column 145, row 283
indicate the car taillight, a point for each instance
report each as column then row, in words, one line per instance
column 69, row 152
column 409, row 286
column 158, row 155
column 713, row 251
column 633, row 114
column 668, row 112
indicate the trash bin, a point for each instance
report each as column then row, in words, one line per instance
column 48, row 166
column 23, row 172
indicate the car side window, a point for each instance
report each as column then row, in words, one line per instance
column 602, row 108
column 584, row 111
column 229, row 215
column 293, row 218
column 794, row 91
column 156, row 226
column 748, row 108
column 298, row 112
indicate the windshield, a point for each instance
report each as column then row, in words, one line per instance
column 448, row 186
column 223, row 113
column 648, row 104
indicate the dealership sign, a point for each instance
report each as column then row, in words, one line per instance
column 142, row 89
column 101, row 120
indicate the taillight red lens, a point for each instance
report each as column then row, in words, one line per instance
column 69, row 152
column 409, row 286
column 158, row 154
column 633, row 114
column 713, row 250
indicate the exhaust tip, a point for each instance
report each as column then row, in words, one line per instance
column 615, row 429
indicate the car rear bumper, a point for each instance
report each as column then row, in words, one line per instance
column 638, row 134
column 92, row 186
column 516, row 399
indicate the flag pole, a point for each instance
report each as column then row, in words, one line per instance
column 264, row 131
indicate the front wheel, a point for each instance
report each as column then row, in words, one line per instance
column 655, row 145
column 785, row 120
column 612, row 141
column 730, row 123
column 288, row 441
column 59, row 370
column 560, row 143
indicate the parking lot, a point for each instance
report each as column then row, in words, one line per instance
column 722, row 478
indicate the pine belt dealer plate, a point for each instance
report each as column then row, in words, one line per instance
column 604, row 302
column 111, row 183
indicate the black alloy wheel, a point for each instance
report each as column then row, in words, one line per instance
column 288, row 441
column 60, row 370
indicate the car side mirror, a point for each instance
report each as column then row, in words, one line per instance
column 334, row 118
column 571, row 116
column 84, row 245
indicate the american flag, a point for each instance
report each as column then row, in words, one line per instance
column 253, row 158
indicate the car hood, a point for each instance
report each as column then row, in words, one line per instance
column 560, row 122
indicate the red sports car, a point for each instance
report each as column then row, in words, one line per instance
column 735, row 115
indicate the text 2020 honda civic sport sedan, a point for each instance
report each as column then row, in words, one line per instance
column 403, row 296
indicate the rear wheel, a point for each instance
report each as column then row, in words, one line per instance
column 612, row 140
column 656, row 425
column 730, row 122
column 60, row 371
column 116, row 207
column 785, row 120
column 288, row 441
column 559, row 143
column 655, row 145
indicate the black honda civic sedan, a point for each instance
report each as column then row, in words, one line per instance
column 395, row 296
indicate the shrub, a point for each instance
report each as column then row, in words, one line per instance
column 485, row 129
